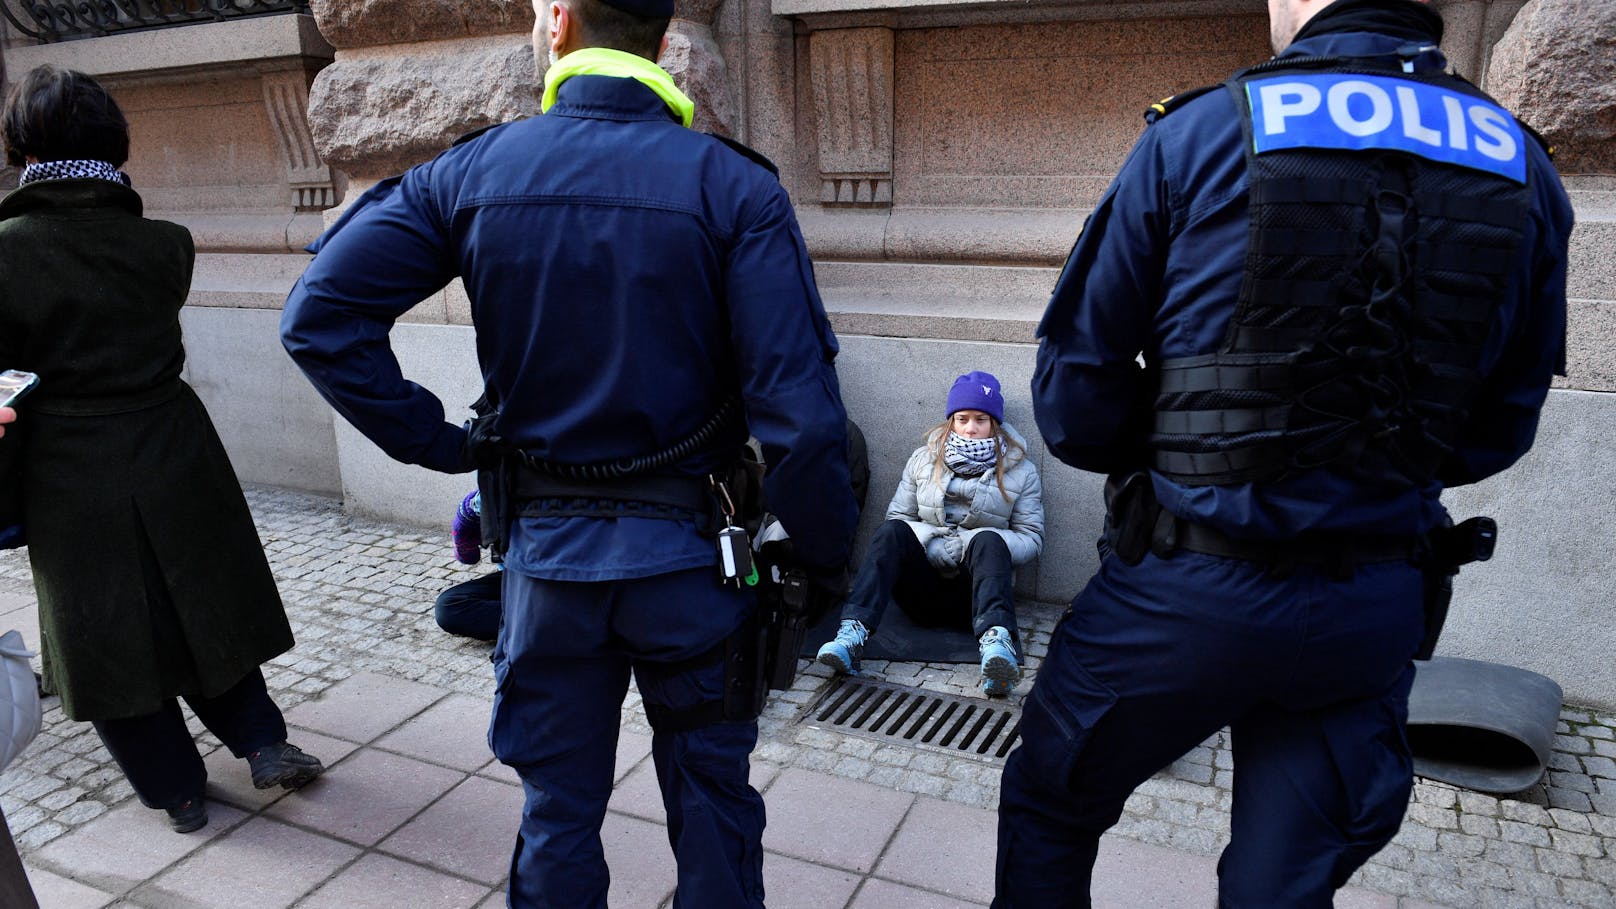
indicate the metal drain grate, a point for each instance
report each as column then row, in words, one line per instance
column 913, row 716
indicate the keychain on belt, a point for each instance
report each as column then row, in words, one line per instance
column 734, row 548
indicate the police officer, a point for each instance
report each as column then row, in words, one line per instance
column 1312, row 299
column 627, row 277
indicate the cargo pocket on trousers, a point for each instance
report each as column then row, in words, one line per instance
column 1065, row 705
column 499, row 718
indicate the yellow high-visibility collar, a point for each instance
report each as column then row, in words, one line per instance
column 601, row 61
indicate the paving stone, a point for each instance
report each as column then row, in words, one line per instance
column 376, row 881
column 1599, row 766
column 1440, row 818
column 793, row 884
column 879, row 894
column 127, row 846
column 230, row 781
column 943, row 847
column 364, row 706
column 1586, row 893
column 261, row 865
column 1359, row 898
column 1573, row 781
column 1461, row 845
column 53, row 891
column 1572, row 744
column 452, row 732
column 1436, row 796
column 641, row 863
column 1478, row 804
column 366, row 797
column 803, row 806
column 1571, row 801
column 1532, row 835
column 469, row 832
column 1576, row 843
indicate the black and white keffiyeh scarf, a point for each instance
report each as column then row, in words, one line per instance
column 72, row 170
column 970, row 457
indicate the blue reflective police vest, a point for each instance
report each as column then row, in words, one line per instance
column 1159, row 274
column 1386, row 213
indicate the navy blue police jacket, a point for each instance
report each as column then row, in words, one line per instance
column 1157, row 271
column 626, row 276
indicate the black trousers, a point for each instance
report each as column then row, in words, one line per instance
column 471, row 608
column 158, row 755
column 896, row 569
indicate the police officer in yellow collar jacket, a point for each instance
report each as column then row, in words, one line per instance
column 627, row 277
column 1344, row 272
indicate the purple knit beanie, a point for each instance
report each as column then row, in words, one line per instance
column 976, row 391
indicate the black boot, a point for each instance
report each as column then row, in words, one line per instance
column 283, row 764
column 191, row 814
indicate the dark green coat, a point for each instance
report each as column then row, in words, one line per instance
column 152, row 581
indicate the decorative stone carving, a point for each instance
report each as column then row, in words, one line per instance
column 286, row 96
column 375, row 116
column 697, row 65
column 851, row 70
column 368, row 23
column 1556, row 70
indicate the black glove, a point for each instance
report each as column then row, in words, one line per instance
column 484, row 448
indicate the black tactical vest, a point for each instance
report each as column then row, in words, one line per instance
column 1372, row 279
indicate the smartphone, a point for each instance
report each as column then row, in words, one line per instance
column 15, row 385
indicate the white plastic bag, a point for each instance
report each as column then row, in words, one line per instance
column 19, row 698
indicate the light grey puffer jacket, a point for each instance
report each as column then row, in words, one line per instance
column 1018, row 518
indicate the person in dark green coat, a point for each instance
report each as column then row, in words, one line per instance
column 151, row 578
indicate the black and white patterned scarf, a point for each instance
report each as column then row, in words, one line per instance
column 970, row 457
column 72, row 170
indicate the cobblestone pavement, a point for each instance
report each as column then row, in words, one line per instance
column 359, row 594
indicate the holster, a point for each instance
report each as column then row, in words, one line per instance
column 743, row 653
column 1131, row 514
column 494, row 486
column 788, row 625
column 1446, row 550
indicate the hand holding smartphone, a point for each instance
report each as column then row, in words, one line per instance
column 15, row 385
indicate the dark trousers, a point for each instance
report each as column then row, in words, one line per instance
column 561, row 667
column 158, row 755
column 895, row 568
column 1312, row 676
column 471, row 608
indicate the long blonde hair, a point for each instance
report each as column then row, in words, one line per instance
column 936, row 439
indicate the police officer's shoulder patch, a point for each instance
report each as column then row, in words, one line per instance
column 1173, row 102
column 748, row 152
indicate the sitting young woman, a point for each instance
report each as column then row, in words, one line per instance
column 968, row 509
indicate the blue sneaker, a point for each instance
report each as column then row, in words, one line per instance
column 842, row 652
column 1000, row 671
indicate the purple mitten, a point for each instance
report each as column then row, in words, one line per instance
column 467, row 530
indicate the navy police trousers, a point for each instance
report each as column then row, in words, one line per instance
column 1311, row 675
column 561, row 666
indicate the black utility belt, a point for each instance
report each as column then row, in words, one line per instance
column 1320, row 550
column 665, row 497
